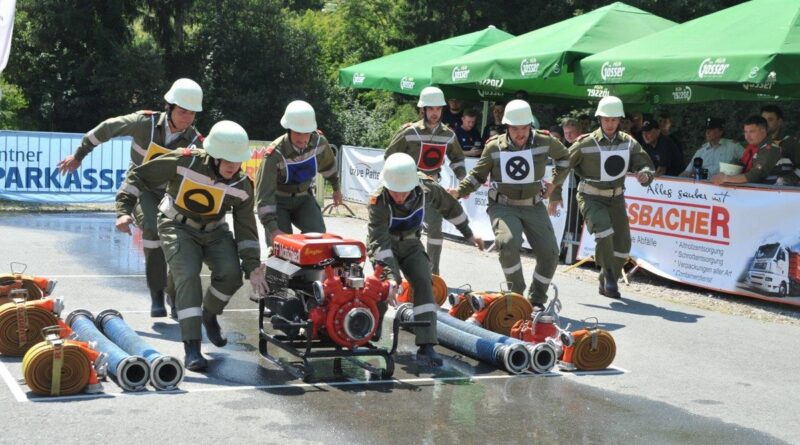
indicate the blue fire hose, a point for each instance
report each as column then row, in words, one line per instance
column 165, row 372
column 131, row 371
column 514, row 358
column 543, row 355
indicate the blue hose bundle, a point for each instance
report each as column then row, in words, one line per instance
column 543, row 355
column 514, row 358
column 131, row 371
column 165, row 372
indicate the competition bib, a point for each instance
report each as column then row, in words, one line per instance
column 431, row 156
column 302, row 171
column 516, row 167
column 199, row 198
column 153, row 151
column 614, row 163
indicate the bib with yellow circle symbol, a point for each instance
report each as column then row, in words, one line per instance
column 198, row 198
column 154, row 150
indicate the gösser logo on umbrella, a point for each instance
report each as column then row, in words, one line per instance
column 516, row 167
column 199, row 198
column 431, row 156
column 614, row 163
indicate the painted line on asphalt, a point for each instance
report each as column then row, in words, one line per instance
column 13, row 385
column 107, row 276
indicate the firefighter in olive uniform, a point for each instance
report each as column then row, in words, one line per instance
column 515, row 161
column 602, row 159
column 788, row 166
column 396, row 212
column 154, row 134
column 427, row 141
column 286, row 175
column 202, row 185
column 762, row 159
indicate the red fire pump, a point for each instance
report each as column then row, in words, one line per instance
column 322, row 302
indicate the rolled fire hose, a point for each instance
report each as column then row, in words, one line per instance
column 513, row 358
column 165, row 372
column 593, row 350
column 460, row 307
column 500, row 314
column 131, row 371
column 439, row 291
column 37, row 287
column 21, row 323
column 63, row 367
column 542, row 355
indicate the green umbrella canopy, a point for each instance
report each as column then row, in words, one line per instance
column 751, row 48
column 408, row 72
column 541, row 62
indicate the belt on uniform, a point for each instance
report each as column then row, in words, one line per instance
column 292, row 194
column 589, row 189
column 407, row 236
column 169, row 211
column 502, row 199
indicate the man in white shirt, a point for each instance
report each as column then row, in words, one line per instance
column 716, row 149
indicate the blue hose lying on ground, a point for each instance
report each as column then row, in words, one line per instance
column 165, row 372
column 514, row 358
column 130, row 371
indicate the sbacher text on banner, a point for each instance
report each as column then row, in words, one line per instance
column 739, row 240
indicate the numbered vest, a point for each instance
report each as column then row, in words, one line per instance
column 202, row 199
column 408, row 223
column 301, row 171
column 516, row 167
column 431, row 156
column 614, row 161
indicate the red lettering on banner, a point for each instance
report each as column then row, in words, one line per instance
column 701, row 223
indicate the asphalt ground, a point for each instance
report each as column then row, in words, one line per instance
column 681, row 374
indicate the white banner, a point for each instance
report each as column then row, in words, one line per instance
column 361, row 169
column 6, row 29
column 739, row 240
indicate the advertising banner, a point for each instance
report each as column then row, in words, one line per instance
column 739, row 240
column 28, row 169
column 361, row 168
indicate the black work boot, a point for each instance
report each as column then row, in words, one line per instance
column 194, row 360
column 428, row 356
column 173, row 310
column 609, row 287
column 157, row 308
column 213, row 330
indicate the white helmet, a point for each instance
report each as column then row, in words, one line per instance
column 186, row 93
column 299, row 117
column 400, row 173
column 518, row 112
column 610, row 106
column 431, row 97
column 227, row 140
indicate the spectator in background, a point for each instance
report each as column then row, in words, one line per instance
column 452, row 113
column 760, row 157
column 468, row 135
column 665, row 124
column 495, row 125
column 716, row 149
column 789, row 145
column 662, row 151
column 585, row 123
column 557, row 133
column 572, row 129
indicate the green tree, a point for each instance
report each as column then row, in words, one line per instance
column 11, row 102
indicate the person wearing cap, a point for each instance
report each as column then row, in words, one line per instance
column 428, row 141
column 716, row 150
column 789, row 164
column 516, row 161
column 153, row 134
column 396, row 214
column 602, row 158
column 760, row 158
column 286, row 176
column 662, row 151
column 202, row 185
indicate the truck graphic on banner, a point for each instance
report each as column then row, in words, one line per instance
column 775, row 269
